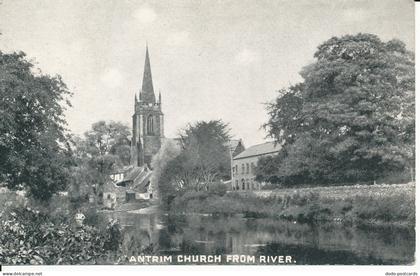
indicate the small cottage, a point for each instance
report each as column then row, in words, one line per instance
column 137, row 183
column 134, row 185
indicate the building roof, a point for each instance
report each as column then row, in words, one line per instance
column 138, row 178
column 233, row 144
column 142, row 185
column 236, row 146
column 123, row 170
column 260, row 149
column 134, row 173
column 111, row 187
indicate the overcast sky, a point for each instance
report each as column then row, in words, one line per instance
column 210, row 59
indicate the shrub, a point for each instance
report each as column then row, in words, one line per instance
column 219, row 189
column 31, row 237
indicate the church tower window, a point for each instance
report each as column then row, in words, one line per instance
column 150, row 126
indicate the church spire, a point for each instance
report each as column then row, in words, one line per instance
column 148, row 94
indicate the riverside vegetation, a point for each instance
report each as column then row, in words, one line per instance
column 34, row 233
column 374, row 204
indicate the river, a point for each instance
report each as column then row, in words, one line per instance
column 330, row 243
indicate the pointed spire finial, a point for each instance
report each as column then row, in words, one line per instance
column 147, row 85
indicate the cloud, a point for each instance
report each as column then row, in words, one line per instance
column 112, row 77
column 246, row 56
column 145, row 15
column 178, row 38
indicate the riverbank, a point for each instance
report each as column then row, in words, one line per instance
column 373, row 204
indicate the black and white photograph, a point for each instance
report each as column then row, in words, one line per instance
column 207, row 133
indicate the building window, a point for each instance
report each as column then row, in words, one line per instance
column 247, row 168
column 243, row 184
column 252, row 168
column 237, row 184
column 150, row 125
column 243, row 168
column 247, row 184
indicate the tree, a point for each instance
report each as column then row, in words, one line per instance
column 108, row 146
column 168, row 152
column 33, row 142
column 204, row 157
column 285, row 114
column 352, row 118
column 103, row 149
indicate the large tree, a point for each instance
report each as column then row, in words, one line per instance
column 33, row 141
column 204, row 157
column 108, row 145
column 103, row 149
column 352, row 118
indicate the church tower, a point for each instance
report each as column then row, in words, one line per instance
column 147, row 120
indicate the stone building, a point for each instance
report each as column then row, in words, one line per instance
column 147, row 121
column 244, row 164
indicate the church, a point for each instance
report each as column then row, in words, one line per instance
column 135, row 181
column 148, row 129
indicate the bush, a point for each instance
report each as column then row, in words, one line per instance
column 31, row 237
column 219, row 189
column 398, row 208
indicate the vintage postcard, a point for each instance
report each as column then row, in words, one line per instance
column 218, row 133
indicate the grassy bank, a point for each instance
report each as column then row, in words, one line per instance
column 375, row 204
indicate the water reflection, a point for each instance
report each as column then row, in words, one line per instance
column 309, row 244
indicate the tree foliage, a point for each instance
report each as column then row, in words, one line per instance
column 168, row 152
column 33, row 141
column 352, row 118
column 108, row 145
column 32, row 237
column 204, row 157
column 103, row 149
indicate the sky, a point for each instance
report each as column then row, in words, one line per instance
column 210, row 59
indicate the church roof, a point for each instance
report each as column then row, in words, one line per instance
column 260, row 149
column 147, row 93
